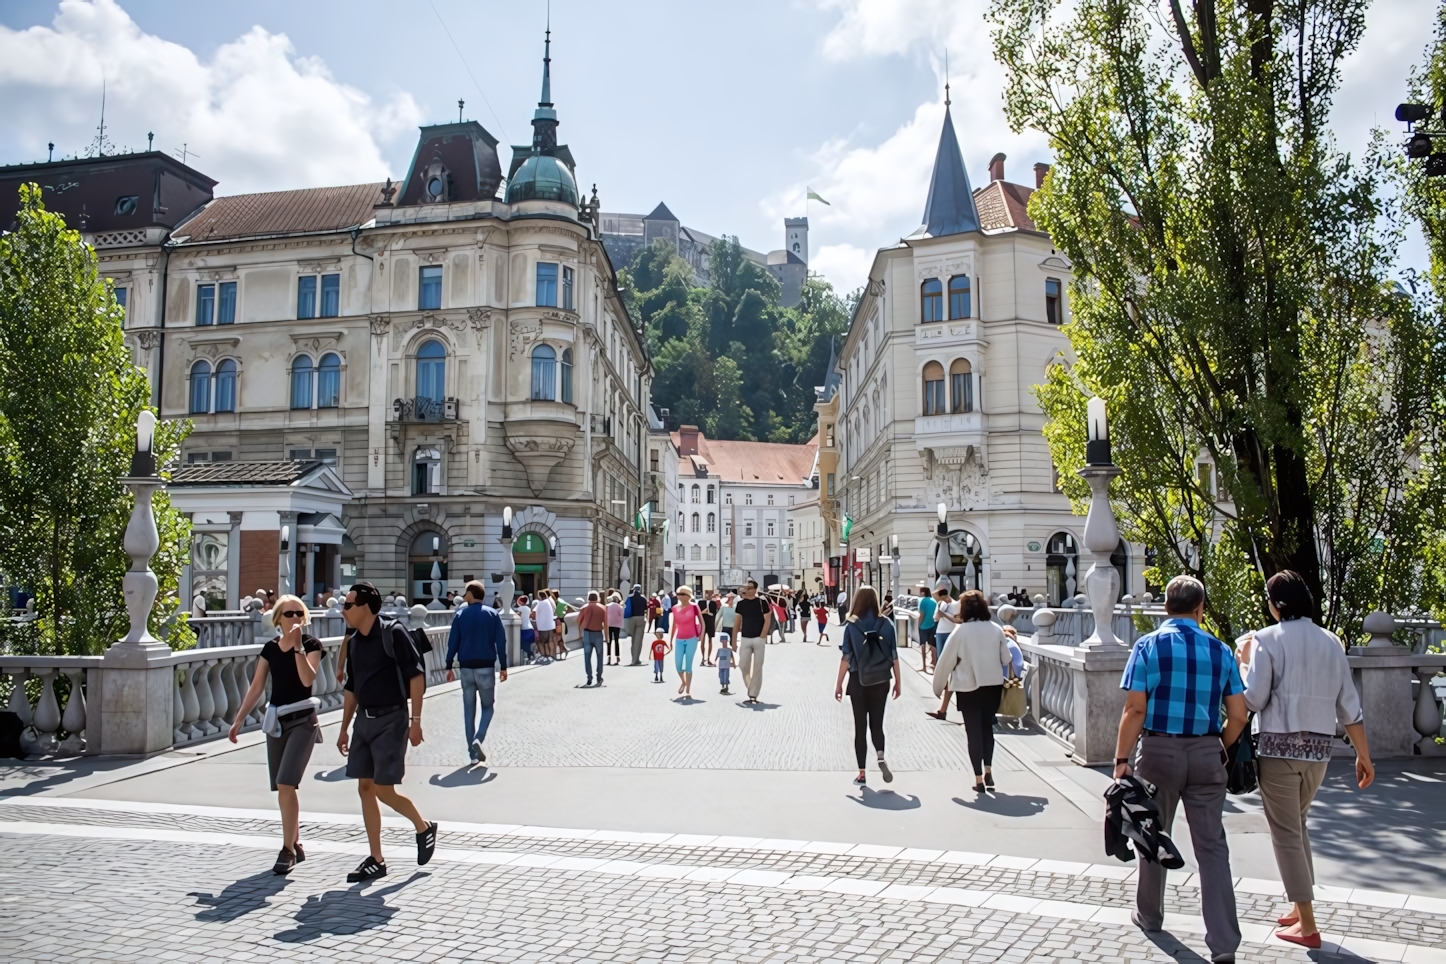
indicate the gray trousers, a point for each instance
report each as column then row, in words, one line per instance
column 635, row 627
column 1189, row 770
column 750, row 663
column 1287, row 788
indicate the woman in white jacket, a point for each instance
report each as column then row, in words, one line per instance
column 972, row 665
column 1299, row 684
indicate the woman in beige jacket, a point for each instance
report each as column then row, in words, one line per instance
column 972, row 665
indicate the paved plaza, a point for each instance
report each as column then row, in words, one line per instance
column 624, row 824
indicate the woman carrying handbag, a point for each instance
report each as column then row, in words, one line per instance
column 1298, row 683
column 973, row 664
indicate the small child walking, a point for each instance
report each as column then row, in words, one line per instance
column 661, row 649
column 724, row 658
column 820, row 612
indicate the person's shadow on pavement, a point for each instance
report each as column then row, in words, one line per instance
column 344, row 912
column 886, row 799
column 758, row 707
column 1005, row 804
column 331, row 776
column 1173, row 946
column 472, row 775
column 239, row 898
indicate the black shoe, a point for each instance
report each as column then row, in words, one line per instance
column 989, row 780
column 599, row 681
column 426, row 843
column 285, row 861
column 367, row 870
column 300, row 854
column 884, row 769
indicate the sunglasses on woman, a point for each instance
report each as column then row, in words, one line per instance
column 293, row 614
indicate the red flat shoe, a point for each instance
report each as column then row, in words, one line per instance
column 1287, row 921
column 1304, row 940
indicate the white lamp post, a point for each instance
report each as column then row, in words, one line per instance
column 893, row 564
column 1101, row 534
column 625, row 574
column 142, row 540
column 511, row 622
column 942, row 561
column 553, row 573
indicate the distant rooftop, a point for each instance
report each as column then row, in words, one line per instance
column 280, row 472
column 307, row 211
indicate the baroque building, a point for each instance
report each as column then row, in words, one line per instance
column 449, row 344
column 934, row 402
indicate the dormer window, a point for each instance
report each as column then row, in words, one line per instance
column 436, row 183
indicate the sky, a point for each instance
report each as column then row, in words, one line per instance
column 728, row 112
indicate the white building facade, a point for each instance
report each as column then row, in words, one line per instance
column 958, row 322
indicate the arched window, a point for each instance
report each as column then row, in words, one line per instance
column 1061, row 568
column 959, row 296
column 695, row 492
column 426, row 472
column 226, row 386
column 680, row 522
column 961, row 386
column 567, row 375
column 966, row 560
column 680, row 492
column 301, row 372
column 695, row 522
column 712, row 553
column 544, row 373
column 328, row 381
column 710, row 495
column 712, row 522
column 934, row 389
column 932, row 294
column 201, row 388
column 432, row 371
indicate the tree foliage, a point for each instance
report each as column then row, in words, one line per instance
column 69, row 397
column 727, row 357
column 1231, row 298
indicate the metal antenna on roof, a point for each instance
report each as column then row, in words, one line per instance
column 946, row 77
column 184, row 151
column 98, row 146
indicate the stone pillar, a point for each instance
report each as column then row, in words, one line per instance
column 234, row 591
column 1101, row 538
column 1383, row 677
column 308, row 573
column 1098, row 703
column 334, row 579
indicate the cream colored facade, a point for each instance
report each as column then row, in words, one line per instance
column 973, row 443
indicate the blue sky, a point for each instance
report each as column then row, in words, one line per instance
column 726, row 111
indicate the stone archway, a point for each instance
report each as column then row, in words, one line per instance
column 533, row 531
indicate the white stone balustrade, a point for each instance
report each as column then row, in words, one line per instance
column 47, row 719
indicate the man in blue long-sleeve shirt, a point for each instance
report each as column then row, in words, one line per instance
column 479, row 643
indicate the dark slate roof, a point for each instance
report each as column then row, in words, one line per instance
column 661, row 213
column 307, row 211
column 281, row 472
column 950, row 208
column 1002, row 204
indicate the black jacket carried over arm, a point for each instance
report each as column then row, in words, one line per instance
column 1132, row 816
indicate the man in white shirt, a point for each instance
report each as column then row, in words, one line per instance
column 544, row 620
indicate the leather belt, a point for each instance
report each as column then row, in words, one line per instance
column 372, row 712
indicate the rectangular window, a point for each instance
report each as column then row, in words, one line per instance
column 567, row 288
column 1052, row 307
column 300, row 454
column 790, row 528
column 1204, row 471
column 934, row 397
column 748, row 528
column 770, row 528
column 306, row 296
column 830, row 484
column 193, row 457
column 652, row 460
column 331, row 295
column 546, row 285
column 226, row 303
column 205, row 304
column 429, row 292
column 220, row 456
column 122, row 297
column 748, row 498
column 325, row 455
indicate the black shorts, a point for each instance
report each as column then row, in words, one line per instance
column 288, row 754
column 379, row 747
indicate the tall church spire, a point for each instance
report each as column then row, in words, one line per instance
column 950, row 208
column 544, row 119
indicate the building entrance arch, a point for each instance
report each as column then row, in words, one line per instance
column 427, row 565
column 529, row 559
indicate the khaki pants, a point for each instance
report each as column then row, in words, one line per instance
column 634, row 627
column 750, row 663
column 1287, row 788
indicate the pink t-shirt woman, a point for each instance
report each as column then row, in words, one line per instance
column 615, row 616
column 687, row 621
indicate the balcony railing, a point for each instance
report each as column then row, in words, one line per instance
column 420, row 408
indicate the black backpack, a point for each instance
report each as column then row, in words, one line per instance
column 876, row 663
column 390, row 629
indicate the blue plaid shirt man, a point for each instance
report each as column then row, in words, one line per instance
column 1185, row 674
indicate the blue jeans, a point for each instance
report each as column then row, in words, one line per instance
column 480, row 681
column 592, row 642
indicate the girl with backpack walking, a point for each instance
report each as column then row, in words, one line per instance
column 973, row 664
column 870, row 658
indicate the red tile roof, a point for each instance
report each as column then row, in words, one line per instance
column 1002, row 204
column 754, row 463
column 307, row 211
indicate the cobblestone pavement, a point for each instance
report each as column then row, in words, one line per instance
column 205, row 892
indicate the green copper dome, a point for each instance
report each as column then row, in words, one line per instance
column 542, row 178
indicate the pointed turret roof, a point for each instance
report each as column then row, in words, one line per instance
column 950, row 208
column 661, row 213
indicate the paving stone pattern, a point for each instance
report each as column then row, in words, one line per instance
column 144, row 901
column 1401, row 926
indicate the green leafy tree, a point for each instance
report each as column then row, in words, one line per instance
column 69, row 397
column 1230, row 299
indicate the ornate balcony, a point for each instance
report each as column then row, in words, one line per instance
column 422, row 409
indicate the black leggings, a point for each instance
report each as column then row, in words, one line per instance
column 614, row 647
column 868, row 703
column 979, row 708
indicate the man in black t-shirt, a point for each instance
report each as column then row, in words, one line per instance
column 752, row 616
column 383, row 670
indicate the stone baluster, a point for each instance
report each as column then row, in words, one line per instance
column 19, row 701
column 259, row 710
column 235, row 689
column 47, row 712
column 191, row 702
column 179, row 733
column 205, row 700
column 218, row 721
column 73, row 719
column 1428, row 712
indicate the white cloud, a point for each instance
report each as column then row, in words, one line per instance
column 843, row 265
column 258, row 116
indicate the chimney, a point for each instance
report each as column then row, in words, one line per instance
column 688, row 440
column 996, row 167
column 1040, row 170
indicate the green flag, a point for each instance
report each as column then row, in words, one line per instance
column 847, row 528
column 643, row 520
column 815, row 196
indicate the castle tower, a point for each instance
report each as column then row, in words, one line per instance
column 795, row 238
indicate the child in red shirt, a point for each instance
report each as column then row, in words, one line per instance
column 820, row 612
column 660, row 650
